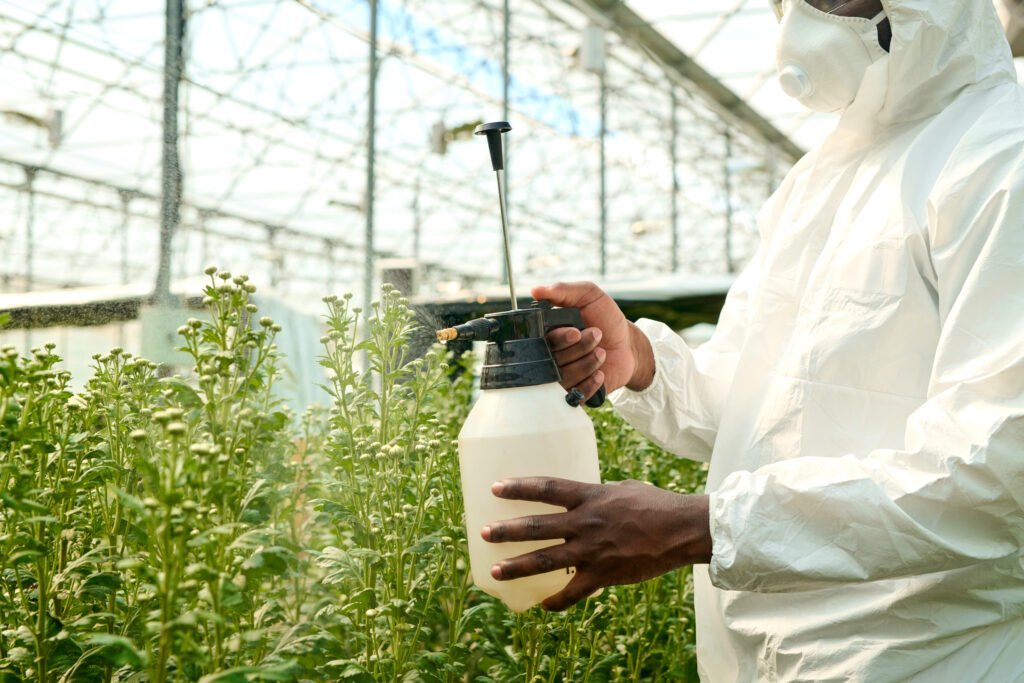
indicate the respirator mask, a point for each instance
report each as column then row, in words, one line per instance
column 822, row 57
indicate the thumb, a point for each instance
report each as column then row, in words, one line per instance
column 577, row 294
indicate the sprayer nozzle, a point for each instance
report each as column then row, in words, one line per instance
column 480, row 329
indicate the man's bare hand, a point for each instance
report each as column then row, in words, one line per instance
column 616, row 533
column 610, row 351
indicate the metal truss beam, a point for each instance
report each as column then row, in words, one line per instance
column 633, row 28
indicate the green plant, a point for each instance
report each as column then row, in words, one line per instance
column 389, row 497
column 190, row 528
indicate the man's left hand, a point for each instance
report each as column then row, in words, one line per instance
column 617, row 533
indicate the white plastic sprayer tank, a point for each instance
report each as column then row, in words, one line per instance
column 520, row 432
column 523, row 425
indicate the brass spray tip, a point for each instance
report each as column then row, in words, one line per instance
column 447, row 334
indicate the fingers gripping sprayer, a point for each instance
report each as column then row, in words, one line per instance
column 523, row 425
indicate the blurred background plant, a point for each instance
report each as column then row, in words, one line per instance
column 163, row 528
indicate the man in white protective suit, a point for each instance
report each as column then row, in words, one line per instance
column 862, row 400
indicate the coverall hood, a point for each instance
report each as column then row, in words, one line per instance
column 939, row 49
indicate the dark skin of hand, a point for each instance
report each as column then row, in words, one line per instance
column 616, row 533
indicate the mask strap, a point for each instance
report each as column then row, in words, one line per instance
column 878, row 18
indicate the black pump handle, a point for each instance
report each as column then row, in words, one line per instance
column 493, row 132
column 568, row 317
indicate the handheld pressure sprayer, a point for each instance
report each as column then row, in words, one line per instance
column 523, row 425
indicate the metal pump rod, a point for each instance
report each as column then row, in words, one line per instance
column 494, row 131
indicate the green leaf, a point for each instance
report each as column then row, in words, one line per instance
column 4, row 319
column 23, row 504
column 272, row 561
column 23, row 556
column 8, row 676
column 244, row 674
column 254, row 492
column 424, row 544
column 185, row 393
column 361, row 600
column 117, row 650
column 210, row 535
column 99, row 586
column 355, row 674
column 468, row 616
column 131, row 502
column 275, row 422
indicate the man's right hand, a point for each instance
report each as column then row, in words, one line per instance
column 610, row 350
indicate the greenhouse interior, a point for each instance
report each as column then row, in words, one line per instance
column 232, row 447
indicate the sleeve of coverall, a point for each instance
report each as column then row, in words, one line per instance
column 681, row 409
column 953, row 495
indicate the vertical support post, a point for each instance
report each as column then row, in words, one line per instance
column 329, row 249
column 506, row 79
column 171, row 174
column 30, row 227
column 417, row 223
column 371, row 159
column 276, row 257
column 604, row 174
column 126, row 202
column 675, row 181
column 204, row 245
column 727, row 170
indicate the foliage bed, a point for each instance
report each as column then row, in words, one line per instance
column 156, row 529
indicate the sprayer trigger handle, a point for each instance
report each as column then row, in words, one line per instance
column 558, row 317
column 568, row 316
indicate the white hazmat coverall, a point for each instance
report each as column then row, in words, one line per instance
column 862, row 400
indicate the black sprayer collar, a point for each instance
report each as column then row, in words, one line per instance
column 517, row 355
